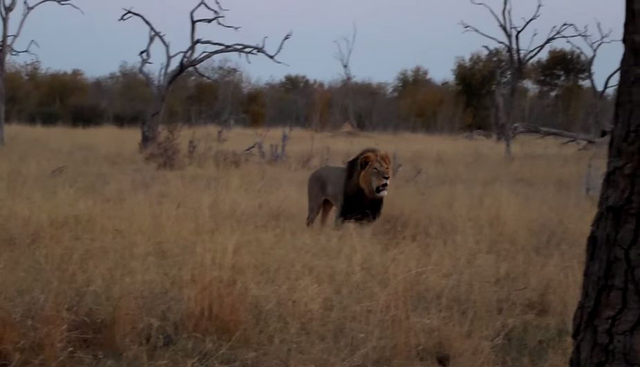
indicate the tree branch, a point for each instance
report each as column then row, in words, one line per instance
column 344, row 55
column 145, row 55
column 27, row 10
column 594, row 45
column 469, row 28
column 606, row 86
column 555, row 33
column 502, row 24
column 15, row 52
column 527, row 22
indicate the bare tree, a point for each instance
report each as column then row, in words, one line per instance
column 175, row 64
column 519, row 52
column 11, row 37
column 589, row 49
column 344, row 50
column 606, row 326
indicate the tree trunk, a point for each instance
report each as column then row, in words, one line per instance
column 352, row 120
column 607, row 319
column 3, row 101
column 149, row 132
column 4, row 53
column 510, row 111
column 150, row 127
column 504, row 113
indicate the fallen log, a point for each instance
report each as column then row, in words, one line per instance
column 519, row 129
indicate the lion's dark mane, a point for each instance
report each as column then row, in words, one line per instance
column 356, row 205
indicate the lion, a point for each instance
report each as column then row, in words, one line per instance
column 357, row 191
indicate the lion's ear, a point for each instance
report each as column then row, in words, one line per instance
column 366, row 160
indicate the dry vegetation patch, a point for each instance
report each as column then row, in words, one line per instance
column 474, row 262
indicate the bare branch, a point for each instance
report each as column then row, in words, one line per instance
column 198, row 51
column 188, row 57
column 145, row 59
column 203, row 75
column 343, row 55
column 27, row 10
column 594, row 45
column 606, row 86
column 154, row 33
column 513, row 33
column 239, row 48
column 15, row 52
column 527, row 22
column 501, row 23
column 216, row 16
column 469, row 28
column 533, row 18
column 555, row 33
column 8, row 8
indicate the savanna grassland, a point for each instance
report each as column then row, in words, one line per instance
column 110, row 262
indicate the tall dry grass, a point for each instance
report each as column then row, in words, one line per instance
column 109, row 262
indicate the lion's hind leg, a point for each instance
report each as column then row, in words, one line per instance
column 314, row 210
column 326, row 209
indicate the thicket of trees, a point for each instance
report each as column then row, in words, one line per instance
column 556, row 94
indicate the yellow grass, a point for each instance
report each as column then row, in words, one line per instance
column 114, row 263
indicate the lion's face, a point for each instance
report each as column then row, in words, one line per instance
column 375, row 174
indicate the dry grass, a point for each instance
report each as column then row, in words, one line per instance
column 113, row 263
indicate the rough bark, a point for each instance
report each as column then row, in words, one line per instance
column 3, row 101
column 607, row 319
column 4, row 53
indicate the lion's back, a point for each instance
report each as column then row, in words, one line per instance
column 328, row 183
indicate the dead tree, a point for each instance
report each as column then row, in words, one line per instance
column 589, row 49
column 519, row 51
column 9, row 39
column 176, row 64
column 606, row 324
column 344, row 50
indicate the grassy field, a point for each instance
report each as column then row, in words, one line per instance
column 110, row 262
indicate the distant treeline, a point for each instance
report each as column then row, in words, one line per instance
column 555, row 95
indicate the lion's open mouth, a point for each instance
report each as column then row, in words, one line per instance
column 381, row 190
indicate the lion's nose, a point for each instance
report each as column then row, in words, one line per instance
column 386, row 177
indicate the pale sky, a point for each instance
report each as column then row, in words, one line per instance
column 391, row 34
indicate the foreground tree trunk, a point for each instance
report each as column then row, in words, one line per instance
column 4, row 53
column 607, row 320
column 3, row 101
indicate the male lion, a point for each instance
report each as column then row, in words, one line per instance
column 357, row 190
